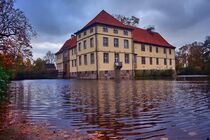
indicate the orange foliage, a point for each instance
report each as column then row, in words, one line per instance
column 6, row 61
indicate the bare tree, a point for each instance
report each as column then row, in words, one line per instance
column 15, row 31
column 133, row 21
column 49, row 57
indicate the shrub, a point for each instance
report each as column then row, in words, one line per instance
column 153, row 74
column 167, row 73
column 5, row 76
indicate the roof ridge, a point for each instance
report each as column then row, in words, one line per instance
column 104, row 18
column 144, row 36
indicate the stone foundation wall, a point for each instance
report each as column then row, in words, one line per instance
column 73, row 75
column 112, row 74
column 87, row 75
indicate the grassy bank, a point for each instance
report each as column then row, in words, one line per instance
column 154, row 74
column 5, row 77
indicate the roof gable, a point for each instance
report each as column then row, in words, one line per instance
column 70, row 43
column 105, row 18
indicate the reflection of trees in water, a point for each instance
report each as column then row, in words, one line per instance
column 19, row 107
column 4, row 114
column 21, row 98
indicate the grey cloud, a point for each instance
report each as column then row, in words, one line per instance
column 178, row 21
column 52, row 17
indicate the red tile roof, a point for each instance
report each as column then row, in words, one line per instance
column 70, row 43
column 105, row 18
column 138, row 34
column 149, row 37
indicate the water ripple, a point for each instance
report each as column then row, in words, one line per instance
column 118, row 110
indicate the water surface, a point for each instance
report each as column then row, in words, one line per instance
column 143, row 109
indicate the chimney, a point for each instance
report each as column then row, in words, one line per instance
column 150, row 29
column 72, row 35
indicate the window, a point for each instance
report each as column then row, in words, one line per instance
column 116, row 57
column 165, row 61
column 91, row 30
column 106, row 58
column 170, row 61
column 79, row 35
column 105, row 41
column 80, row 60
column 72, row 52
column 79, row 48
column 105, row 29
column 58, row 56
column 143, row 61
column 84, row 33
column 164, row 50
column 91, row 42
column 75, row 62
column 125, row 32
column 72, row 63
column 115, row 31
column 126, row 44
column 65, row 55
column 157, row 61
column 127, row 58
column 75, row 50
column 84, row 44
column 150, row 48
column 116, row 42
column 142, row 47
column 92, row 58
column 85, row 59
column 135, row 59
column 150, row 60
column 169, row 51
column 156, row 49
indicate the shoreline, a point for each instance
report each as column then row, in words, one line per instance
column 32, row 131
column 13, row 127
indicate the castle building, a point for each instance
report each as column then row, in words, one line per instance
column 106, row 48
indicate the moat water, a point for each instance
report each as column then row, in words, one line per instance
column 127, row 109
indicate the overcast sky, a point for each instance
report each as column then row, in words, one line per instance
column 178, row 21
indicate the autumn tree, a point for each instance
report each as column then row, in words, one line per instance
column 49, row 57
column 194, row 57
column 133, row 21
column 39, row 65
column 15, row 32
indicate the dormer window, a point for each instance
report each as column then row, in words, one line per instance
column 125, row 32
column 105, row 29
column 115, row 31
